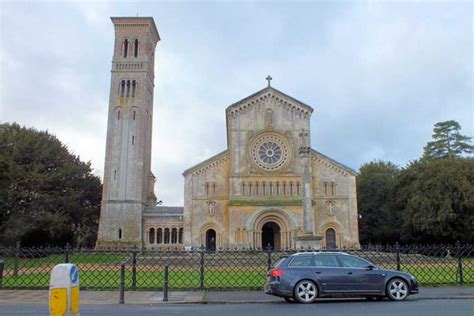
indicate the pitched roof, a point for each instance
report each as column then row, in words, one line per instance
column 270, row 88
column 205, row 162
column 164, row 211
column 340, row 165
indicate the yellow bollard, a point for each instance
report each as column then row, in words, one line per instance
column 64, row 294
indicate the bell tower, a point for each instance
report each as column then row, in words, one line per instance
column 128, row 181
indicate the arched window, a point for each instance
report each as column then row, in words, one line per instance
column 256, row 188
column 135, row 48
column 151, row 236
column 118, row 115
column 174, row 236
column 159, row 236
column 120, row 233
column 291, row 188
column 298, row 188
column 180, row 236
column 134, row 115
column 213, row 188
column 125, row 48
column 167, row 236
column 264, row 188
column 243, row 188
column 133, row 140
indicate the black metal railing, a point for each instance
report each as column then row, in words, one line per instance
column 226, row 269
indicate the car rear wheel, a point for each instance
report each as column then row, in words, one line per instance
column 306, row 291
column 397, row 290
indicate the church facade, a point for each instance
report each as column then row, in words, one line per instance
column 267, row 189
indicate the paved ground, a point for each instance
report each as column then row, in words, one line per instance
column 346, row 307
column 145, row 297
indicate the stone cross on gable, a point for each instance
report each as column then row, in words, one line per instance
column 269, row 78
column 304, row 138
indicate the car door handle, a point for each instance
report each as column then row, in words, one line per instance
column 318, row 272
column 349, row 272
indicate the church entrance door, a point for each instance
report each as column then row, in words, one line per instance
column 271, row 235
column 330, row 239
column 211, row 240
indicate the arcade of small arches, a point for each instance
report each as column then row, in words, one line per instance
column 164, row 235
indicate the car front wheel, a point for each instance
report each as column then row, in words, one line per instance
column 306, row 291
column 397, row 290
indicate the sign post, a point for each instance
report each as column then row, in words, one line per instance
column 64, row 290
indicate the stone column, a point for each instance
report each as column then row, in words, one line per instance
column 307, row 239
column 306, row 171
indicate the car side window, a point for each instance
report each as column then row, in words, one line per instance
column 301, row 261
column 325, row 261
column 353, row 262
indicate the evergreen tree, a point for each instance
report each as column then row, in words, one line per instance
column 378, row 220
column 47, row 195
column 448, row 141
column 436, row 198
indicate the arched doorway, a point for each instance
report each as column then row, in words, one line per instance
column 330, row 238
column 271, row 235
column 211, row 239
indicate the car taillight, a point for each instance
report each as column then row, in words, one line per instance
column 276, row 273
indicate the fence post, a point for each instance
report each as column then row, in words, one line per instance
column 122, row 284
column 397, row 248
column 66, row 253
column 459, row 256
column 269, row 257
column 17, row 258
column 201, row 268
column 134, row 267
column 1, row 272
column 165, row 285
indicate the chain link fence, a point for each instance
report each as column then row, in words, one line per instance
column 230, row 269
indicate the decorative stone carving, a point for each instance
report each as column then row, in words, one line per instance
column 211, row 205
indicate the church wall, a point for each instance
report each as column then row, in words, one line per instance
column 335, row 202
column 205, row 201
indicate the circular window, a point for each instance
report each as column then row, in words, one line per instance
column 270, row 151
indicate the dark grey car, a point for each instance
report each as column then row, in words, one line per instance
column 309, row 275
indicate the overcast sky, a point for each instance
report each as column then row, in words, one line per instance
column 378, row 74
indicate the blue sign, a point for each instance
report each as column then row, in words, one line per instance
column 74, row 274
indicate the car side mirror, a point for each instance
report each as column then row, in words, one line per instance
column 371, row 267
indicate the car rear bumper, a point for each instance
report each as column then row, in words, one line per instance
column 275, row 288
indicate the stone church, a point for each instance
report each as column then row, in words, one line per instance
column 267, row 188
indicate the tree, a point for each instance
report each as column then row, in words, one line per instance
column 436, row 198
column 378, row 220
column 47, row 195
column 448, row 141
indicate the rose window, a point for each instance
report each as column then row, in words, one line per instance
column 270, row 151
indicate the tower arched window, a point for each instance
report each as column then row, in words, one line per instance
column 134, row 115
column 125, row 48
column 118, row 115
column 128, row 88
column 151, row 236
column 122, row 88
column 174, row 235
column 133, row 140
column 134, row 88
column 120, row 233
column 159, row 236
column 135, row 48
